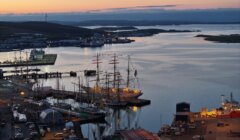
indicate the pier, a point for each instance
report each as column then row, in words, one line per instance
column 44, row 75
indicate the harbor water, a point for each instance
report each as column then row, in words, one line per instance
column 172, row 67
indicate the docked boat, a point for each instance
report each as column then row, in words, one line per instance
column 113, row 86
column 36, row 54
column 90, row 72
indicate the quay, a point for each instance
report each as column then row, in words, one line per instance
column 218, row 124
column 48, row 59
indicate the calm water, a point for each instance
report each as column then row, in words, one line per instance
column 172, row 68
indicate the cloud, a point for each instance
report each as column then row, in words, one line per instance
column 140, row 13
column 158, row 6
column 151, row 7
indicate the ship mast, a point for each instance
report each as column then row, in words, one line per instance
column 128, row 72
column 97, row 61
column 118, row 87
column 114, row 62
column 27, row 63
column 15, row 61
column 107, row 84
column 79, row 89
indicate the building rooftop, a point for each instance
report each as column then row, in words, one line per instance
column 138, row 134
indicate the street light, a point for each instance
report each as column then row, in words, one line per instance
column 22, row 93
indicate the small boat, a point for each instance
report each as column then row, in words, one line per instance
column 90, row 72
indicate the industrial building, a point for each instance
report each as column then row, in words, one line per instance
column 182, row 112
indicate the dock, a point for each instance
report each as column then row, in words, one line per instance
column 45, row 75
column 48, row 59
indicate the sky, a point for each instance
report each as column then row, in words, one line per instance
column 56, row 6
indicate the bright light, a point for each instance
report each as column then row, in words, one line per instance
column 114, row 90
column 46, row 69
column 135, row 108
column 97, row 89
column 135, row 91
column 126, row 89
column 22, row 93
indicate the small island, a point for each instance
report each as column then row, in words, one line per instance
column 130, row 31
column 149, row 32
column 232, row 38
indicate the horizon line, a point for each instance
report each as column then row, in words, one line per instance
column 127, row 9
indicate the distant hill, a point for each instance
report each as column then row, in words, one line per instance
column 233, row 38
column 46, row 28
column 138, row 23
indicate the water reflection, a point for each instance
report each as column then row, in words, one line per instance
column 116, row 119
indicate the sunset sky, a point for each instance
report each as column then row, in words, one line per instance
column 39, row 6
